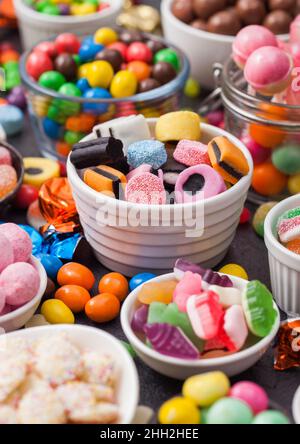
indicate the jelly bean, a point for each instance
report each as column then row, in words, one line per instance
column 105, row 36
column 37, row 63
column 52, row 128
column 124, row 84
column 140, row 279
column 74, row 296
column 234, row 270
column 179, row 411
column 169, row 56
column 266, row 136
column 260, row 216
column 245, row 216
column 206, row 389
column 252, row 394
column 96, row 108
column 229, row 411
column 88, row 51
column 271, row 417
column 192, row 88
column 25, row 196
column 52, row 264
column 100, row 73
column 103, row 308
column 286, row 159
column 67, row 42
column 114, row 283
column 76, row 274
column 56, row 312
column 83, row 84
column 267, row 180
column 294, row 184
column 139, row 51
column 52, row 80
column 140, row 69
column 157, row 292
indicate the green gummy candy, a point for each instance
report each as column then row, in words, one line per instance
column 229, row 411
column 271, row 417
column 258, row 307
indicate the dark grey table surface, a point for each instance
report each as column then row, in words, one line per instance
column 247, row 249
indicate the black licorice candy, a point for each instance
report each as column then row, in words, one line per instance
column 104, row 150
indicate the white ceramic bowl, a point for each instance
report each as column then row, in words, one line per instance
column 18, row 318
column 100, row 341
column 36, row 27
column 131, row 250
column 296, row 406
column 284, row 264
column 181, row 369
column 202, row 48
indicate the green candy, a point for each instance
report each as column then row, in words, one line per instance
column 56, row 114
column 68, row 107
column 50, row 10
column 129, row 348
column 41, row 5
column 168, row 55
column 260, row 215
column 69, row 89
column 271, row 417
column 257, row 302
column 229, row 411
column 287, row 159
column 169, row 314
column 289, row 214
column 77, row 59
column 73, row 137
column 52, row 80
column 204, row 415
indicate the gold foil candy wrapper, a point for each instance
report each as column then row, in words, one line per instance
column 143, row 18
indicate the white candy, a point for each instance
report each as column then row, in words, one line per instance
column 228, row 295
column 128, row 129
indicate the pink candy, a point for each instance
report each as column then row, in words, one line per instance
column 205, row 314
column 19, row 283
column 7, row 254
column 190, row 284
column 191, row 153
column 259, row 153
column 145, row 168
column 252, row 394
column 19, row 240
column 5, row 157
column 234, row 331
column 145, row 188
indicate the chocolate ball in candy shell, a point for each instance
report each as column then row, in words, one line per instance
column 100, row 73
column 66, row 65
column 103, row 308
column 76, row 274
column 52, row 80
column 63, row 148
column 287, row 159
column 96, row 108
column 169, row 56
column 67, row 42
column 56, row 312
column 139, row 51
column 267, row 180
column 111, row 56
column 105, row 36
column 56, row 113
column 206, row 389
column 140, row 69
column 37, row 63
column 52, row 129
column 82, row 9
column 88, row 50
column 40, row 105
column 179, row 410
column 52, row 264
column 140, row 279
column 124, row 84
column 50, row 10
column 147, row 85
column 83, row 70
column 163, row 72
column 229, row 411
column 72, row 137
column 120, row 47
column 83, row 84
column 69, row 108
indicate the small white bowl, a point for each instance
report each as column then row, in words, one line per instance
column 181, row 369
column 284, row 264
column 100, row 341
column 18, row 318
column 296, row 406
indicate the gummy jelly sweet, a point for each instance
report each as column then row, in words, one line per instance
column 208, row 276
column 157, row 292
column 190, row 284
column 205, row 313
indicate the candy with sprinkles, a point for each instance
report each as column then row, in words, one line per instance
column 191, row 153
column 151, row 152
column 288, row 225
column 8, row 180
column 145, row 188
column 5, row 156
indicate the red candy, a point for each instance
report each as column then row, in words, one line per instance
column 205, row 314
column 67, row 42
column 245, row 216
column 37, row 63
column 48, row 48
column 119, row 46
column 139, row 51
column 25, row 196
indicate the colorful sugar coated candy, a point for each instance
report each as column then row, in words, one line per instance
column 287, row 351
column 140, row 279
column 76, row 274
column 288, row 225
column 114, row 283
column 56, row 311
column 103, row 307
column 206, row 389
column 251, row 393
column 260, row 216
column 179, row 410
column 157, row 292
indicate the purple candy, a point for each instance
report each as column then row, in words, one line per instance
column 139, row 319
column 209, row 276
column 17, row 97
column 64, row 9
column 171, row 341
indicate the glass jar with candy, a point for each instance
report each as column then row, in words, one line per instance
column 260, row 90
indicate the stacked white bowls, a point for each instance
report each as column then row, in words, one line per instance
column 135, row 249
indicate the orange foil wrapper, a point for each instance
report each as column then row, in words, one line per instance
column 287, row 354
column 58, row 206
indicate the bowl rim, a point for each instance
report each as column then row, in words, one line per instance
column 200, row 363
column 296, row 406
column 16, row 153
column 158, row 93
column 220, row 38
column 128, row 360
column 270, row 220
column 37, row 298
column 211, row 201
column 115, row 7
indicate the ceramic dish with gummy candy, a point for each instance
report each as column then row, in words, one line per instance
column 199, row 314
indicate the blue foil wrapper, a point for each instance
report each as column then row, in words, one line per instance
column 36, row 239
column 63, row 246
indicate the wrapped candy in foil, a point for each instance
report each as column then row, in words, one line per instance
column 141, row 17
column 58, row 206
column 36, row 239
column 66, row 246
column 287, row 353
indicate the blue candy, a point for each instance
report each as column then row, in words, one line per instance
column 51, row 128
column 51, row 264
column 140, row 279
column 83, row 85
column 88, row 50
column 11, row 119
column 96, row 108
column 151, row 152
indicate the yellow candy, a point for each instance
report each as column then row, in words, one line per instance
column 178, row 125
column 56, row 312
column 179, row 411
column 124, row 84
column 105, row 36
column 207, row 388
column 294, row 184
column 82, row 9
column 39, row 169
column 234, row 270
column 100, row 73
column 157, row 292
column 83, row 70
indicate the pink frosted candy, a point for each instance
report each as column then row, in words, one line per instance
column 5, row 156
column 289, row 229
column 252, row 394
column 20, row 283
column 7, row 254
column 7, row 309
column 145, row 188
column 205, row 314
column 191, row 153
column 190, row 284
column 295, row 30
column 248, row 40
column 259, row 153
column 145, row 168
column 19, row 240
column 234, row 331
column 268, row 70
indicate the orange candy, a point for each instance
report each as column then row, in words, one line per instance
column 157, row 292
column 294, row 246
column 103, row 307
column 267, row 180
column 76, row 274
column 267, row 136
column 140, row 69
column 83, row 123
column 73, row 296
column 63, row 148
column 114, row 283
column 9, row 56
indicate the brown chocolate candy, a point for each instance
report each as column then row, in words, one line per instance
column 111, row 56
column 155, row 45
column 147, row 85
column 284, row 5
column 206, row 8
column 224, row 22
column 199, row 24
column 278, row 22
column 183, row 10
column 163, row 72
column 251, row 12
column 129, row 36
column 66, row 65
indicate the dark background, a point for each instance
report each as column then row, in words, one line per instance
column 247, row 249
